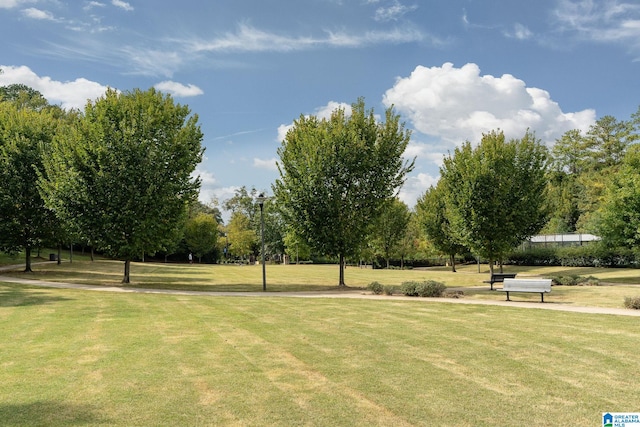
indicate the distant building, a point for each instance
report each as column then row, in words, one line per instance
column 574, row 239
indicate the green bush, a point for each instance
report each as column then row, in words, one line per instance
column 375, row 287
column 429, row 288
column 632, row 302
column 533, row 257
column 409, row 289
column 574, row 280
column 596, row 254
column 388, row 289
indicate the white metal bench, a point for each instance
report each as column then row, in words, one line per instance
column 541, row 286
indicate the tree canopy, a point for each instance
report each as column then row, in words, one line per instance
column 25, row 130
column 496, row 193
column 431, row 211
column 336, row 175
column 121, row 178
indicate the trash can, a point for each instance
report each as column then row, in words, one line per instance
column 53, row 257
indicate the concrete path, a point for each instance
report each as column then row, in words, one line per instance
column 357, row 293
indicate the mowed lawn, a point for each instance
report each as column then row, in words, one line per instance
column 74, row 357
column 617, row 283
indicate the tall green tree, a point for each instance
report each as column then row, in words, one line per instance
column 201, row 234
column 336, row 175
column 618, row 219
column 24, row 132
column 431, row 211
column 496, row 192
column 389, row 228
column 122, row 177
column 243, row 239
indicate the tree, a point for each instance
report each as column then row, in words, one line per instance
column 201, row 234
column 618, row 218
column 242, row 237
column 495, row 193
column 336, row 174
column 23, row 97
column 389, row 228
column 608, row 140
column 122, row 177
column 431, row 210
column 24, row 132
column 296, row 247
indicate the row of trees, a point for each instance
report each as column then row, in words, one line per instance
column 117, row 177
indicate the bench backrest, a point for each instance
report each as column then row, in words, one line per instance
column 499, row 277
column 527, row 285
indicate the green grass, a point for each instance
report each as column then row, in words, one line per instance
column 72, row 357
column 295, row 278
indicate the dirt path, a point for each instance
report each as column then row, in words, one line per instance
column 359, row 294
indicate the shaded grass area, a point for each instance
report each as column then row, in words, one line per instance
column 297, row 278
column 72, row 357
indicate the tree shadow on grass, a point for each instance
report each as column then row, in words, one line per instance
column 50, row 414
column 18, row 296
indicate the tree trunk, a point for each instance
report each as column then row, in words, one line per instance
column 59, row 253
column 27, row 261
column 127, row 269
column 501, row 271
column 388, row 264
column 491, row 266
column 402, row 263
column 453, row 262
column 92, row 254
column 341, row 284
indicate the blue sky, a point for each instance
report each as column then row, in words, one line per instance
column 453, row 69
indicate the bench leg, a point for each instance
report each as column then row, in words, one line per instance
column 491, row 285
column 507, row 295
column 541, row 296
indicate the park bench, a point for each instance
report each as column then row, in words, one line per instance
column 499, row 278
column 541, row 286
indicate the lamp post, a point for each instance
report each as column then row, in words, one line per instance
column 261, row 198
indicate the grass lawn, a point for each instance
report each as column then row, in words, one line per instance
column 207, row 277
column 72, row 357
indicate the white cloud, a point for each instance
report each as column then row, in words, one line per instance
column 520, row 32
column 151, row 62
column 393, row 12
column 70, row 94
column 178, row 89
column 415, row 186
column 458, row 104
column 42, row 15
column 250, row 39
column 90, row 5
column 122, row 5
column 282, row 131
column 10, row 4
column 601, row 21
column 268, row 164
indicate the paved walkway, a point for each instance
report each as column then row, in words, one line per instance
column 356, row 293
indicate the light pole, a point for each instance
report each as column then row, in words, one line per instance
column 261, row 198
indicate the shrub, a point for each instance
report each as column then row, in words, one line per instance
column 389, row 290
column 632, row 302
column 573, row 280
column 429, row 288
column 409, row 289
column 533, row 256
column 375, row 287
